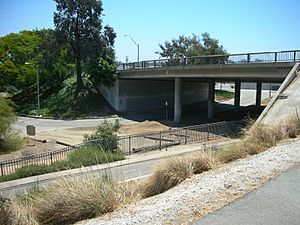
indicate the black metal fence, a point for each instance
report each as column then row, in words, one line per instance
column 260, row 57
column 134, row 143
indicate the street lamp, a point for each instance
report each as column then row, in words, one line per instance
column 37, row 83
column 138, row 47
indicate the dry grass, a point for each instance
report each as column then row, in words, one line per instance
column 71, row 201
column 257, row 138
column 231, row 153
column 173, row 171
column 202, row 161
column 12, row 213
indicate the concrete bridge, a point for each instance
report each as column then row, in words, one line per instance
column 199, row 75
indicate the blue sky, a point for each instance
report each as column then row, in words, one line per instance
column 241, row 26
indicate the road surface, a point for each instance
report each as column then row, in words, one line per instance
column 53, row 124
column 276, row 203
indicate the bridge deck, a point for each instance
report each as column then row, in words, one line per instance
column 265, row 66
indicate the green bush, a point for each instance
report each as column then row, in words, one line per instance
column 83, row 156
column 7, row 117
column 105, row 133
column 9, row 141
column 92, row 155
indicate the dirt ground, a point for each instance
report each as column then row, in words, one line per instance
column 74, row 136
column 31, row 147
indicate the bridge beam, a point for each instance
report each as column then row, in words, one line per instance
column 237, row 95
column 211, row 99
column 258, row 93
column 177, row 100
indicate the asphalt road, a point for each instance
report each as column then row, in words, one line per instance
column 123, row 172
column 51, row 124
column 276, row 203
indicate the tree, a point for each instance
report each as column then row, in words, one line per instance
column 191, row 46
column 15, row 51
column 78, row 23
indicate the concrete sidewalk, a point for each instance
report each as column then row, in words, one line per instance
column 276, row 203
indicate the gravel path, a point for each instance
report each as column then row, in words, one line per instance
column 204, row 193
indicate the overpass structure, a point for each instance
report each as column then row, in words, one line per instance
column 249, row 67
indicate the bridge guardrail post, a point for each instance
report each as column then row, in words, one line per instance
column 248, row 58
column 275, row 56
column 154, row 63
column 294, row 56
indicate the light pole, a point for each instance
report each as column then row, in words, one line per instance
column 37, row 84
column 138, row 47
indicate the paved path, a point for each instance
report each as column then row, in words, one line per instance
column 276, row 203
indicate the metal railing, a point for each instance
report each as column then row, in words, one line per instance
column 245, row 58
column 134, row 143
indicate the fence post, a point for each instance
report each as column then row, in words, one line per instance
column 208, row 132
column 160, row 140
column 2, row 174
column 185, row 136
column 51, row 157
column 129, row 145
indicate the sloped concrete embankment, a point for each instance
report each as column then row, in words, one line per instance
column 286, row 102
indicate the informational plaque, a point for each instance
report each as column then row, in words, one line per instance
column 30, row 130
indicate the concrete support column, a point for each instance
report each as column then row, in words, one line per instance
column 177, row 100
column 211, row 99
column 258, row 94
column 237, row 95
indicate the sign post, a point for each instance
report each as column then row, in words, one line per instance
column 30, row 129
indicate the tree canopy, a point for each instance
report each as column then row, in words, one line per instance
column 191, row 46
column 15, row 51
column 79, row 23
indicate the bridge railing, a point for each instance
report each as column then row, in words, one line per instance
column 247, row 58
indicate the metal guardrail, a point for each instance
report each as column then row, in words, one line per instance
column 134, row 143
column 245, row 58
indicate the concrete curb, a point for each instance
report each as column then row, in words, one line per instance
column 57, row 118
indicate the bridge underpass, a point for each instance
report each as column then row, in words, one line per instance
column 251, row 67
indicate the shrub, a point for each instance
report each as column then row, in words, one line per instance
column 9, row 141
column 202, row 161
column 7, row 117
column 166, row 175
column 83, row 156
column 92, row 155
column 173, row 171
column 106, row 135
column 70, row 201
